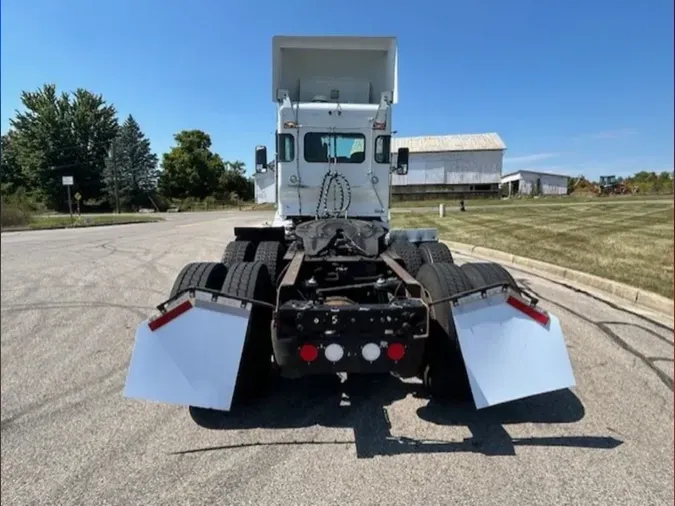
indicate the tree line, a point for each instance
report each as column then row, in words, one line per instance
column 643, row 182
column 113, row 166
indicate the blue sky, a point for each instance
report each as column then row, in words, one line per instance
column 571, row 86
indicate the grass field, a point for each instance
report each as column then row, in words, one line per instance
column 627, row 242
column 64, row 221
column 567, row 199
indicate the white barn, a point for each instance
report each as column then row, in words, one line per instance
column 450, row 165
column 526, row 182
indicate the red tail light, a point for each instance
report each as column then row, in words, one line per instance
column 536, row 314
column 171, row 314
column 395, row 351
column 308, row 352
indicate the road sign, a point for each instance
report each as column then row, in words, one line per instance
column 67, row 180
column 78, row 196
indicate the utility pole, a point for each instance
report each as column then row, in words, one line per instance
column 113, row 161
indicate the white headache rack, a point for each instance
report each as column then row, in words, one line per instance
column 334, row 69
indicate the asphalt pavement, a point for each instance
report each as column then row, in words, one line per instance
column 71, row 300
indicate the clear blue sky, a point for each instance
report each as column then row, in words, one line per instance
column 575, row 86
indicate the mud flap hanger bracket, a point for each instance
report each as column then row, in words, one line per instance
column 215, row 296
column 484, row 292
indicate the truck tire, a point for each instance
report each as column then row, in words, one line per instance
column 209, row 275
column 252, row 280
column 271, row 253
column 435, row 252
column 412, row 261
column 238, row 251
column 443, row 372
column 487, row 273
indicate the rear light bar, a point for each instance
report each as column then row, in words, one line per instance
column 170, row 315
column 334, row 352
column 533, row 312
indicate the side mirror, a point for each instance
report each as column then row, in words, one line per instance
column 260, row 159
column 402, row 161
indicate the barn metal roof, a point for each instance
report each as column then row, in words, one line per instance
column 442, row 143
column 535, row 172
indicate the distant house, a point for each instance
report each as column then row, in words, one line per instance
column 526, row 182
column 449, row 165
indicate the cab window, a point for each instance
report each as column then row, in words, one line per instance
column 383, row 149
column 341, row 147
column 285, row 148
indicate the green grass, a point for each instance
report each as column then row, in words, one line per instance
column 629, row 243
column 454, row 202
column 60, row 221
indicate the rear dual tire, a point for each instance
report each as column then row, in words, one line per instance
column 241, row 279
column 209, row 275
column 487, row 273
column 443, row 371
column 414, row 256
column 435, row 253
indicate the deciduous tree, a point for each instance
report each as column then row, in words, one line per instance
column 63, row 135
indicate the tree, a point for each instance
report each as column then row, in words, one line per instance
column 237, row 166
column 131, row 169
column 190, row 169
column 11, row 175
column 63, row 135
column 233, row 182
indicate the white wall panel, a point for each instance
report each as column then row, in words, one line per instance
column 550, row 184
column 461, row 167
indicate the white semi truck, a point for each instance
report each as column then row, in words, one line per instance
column 329, row 287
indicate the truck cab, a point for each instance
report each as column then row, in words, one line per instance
column 334, row 101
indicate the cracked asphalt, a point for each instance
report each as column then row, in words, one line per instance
column 71, row 300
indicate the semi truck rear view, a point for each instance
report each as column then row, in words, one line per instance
column 329, row 286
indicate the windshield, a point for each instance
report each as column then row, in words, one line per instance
column 344, row 148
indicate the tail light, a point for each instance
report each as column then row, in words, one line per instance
column 395, row 351
column 308, row 352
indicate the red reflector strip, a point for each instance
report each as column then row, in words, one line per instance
column 172, row 314
column 533, row 313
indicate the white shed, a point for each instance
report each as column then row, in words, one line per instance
column 441, row 166
column 525, row 182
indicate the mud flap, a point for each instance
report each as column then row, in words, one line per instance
column 190, row 354
column 511, row 350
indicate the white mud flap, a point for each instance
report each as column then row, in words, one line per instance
column 511, row 349
column 190, row 354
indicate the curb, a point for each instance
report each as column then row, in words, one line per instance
column 629, row 293
column 70, row 227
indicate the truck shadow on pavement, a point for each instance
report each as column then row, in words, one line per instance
column 361, row 405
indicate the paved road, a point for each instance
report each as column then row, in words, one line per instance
column 72, row 298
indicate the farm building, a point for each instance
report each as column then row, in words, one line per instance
column 449, row 165
column 525, row 182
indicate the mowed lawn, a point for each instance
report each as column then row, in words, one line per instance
column 629, row 243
